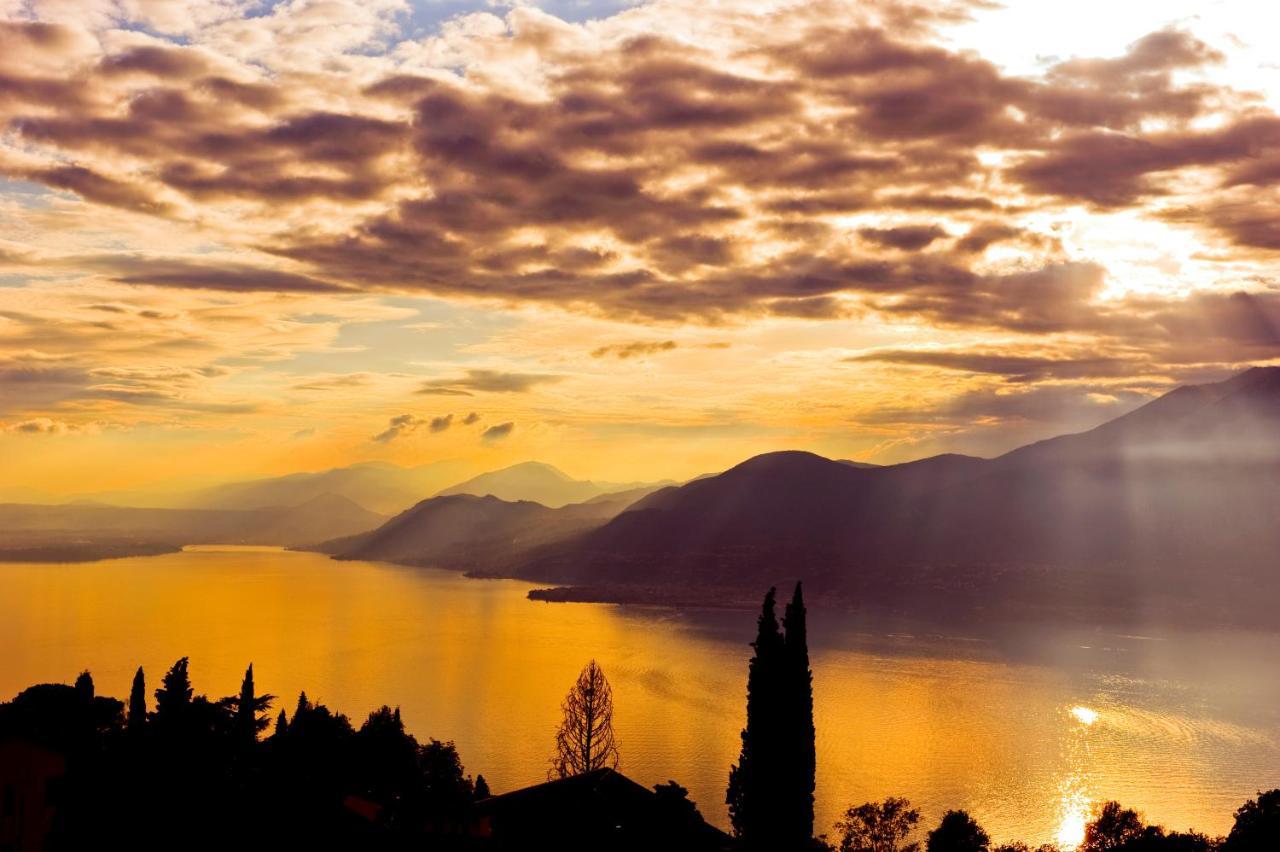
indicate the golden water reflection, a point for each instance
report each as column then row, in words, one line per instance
column 1075, row 803
column 1025, row 737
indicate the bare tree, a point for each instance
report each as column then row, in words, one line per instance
column 585, row 741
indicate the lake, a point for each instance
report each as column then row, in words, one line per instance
column 1022, row 728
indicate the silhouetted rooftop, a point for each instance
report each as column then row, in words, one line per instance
column 597, row 810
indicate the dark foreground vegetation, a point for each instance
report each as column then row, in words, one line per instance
column 169, row 769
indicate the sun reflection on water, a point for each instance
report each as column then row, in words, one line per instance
column 1084, row 715
column 1073, row 807
column 1074, row 815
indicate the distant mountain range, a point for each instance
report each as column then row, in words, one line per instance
column 1180, row 493
column 80, row 531
column 388, row 488
column 378, row 486
column 306, row 508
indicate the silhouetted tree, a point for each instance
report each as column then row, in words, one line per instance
column 446, row 790
column 800, row 758
column 313, row 758
column 1019, row 846
column 878, row 827
column 676, row 809
column 388, row 756
column 958, row 832
column 1156, row 840
column 282, row 724
column 752, row 793
column 481, row 788
column 585, row 741
column 138, row 703
column 84, row 686
column 248, row 709
column 1112, row 828
column 174, row 695
column 770, row 794
column 201, row 784
column 1118, row 829
column 1257, row 825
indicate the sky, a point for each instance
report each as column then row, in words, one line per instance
column 636, row 240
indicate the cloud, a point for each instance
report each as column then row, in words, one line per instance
column 398, row 426
column 624, row 169
column 634, row 349
column 406, row 424
column 41, row 426
column 470, row 419
column 337, row 382
column 229, row 277
column 498, row 432
column 1075, row 405
column 487, row 381
column 1015, row 368
column 93, row 186
column 238, row 189
column 904, row 238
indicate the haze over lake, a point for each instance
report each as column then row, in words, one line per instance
column 1024, row 729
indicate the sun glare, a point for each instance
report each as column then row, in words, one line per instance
column 1075, row 815
column 1084, row 715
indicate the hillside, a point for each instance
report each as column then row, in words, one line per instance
column 467, row 532
column 1183, row 491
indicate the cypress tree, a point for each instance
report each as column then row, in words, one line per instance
column 481, row 788
column 282, row 724
column 247, row 706
column 137, row 703
column 753, row 782
column 770, row 793
column 800, row 735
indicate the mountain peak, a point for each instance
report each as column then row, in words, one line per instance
column 329, row 501
column 785, row 459
column 534, row 467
